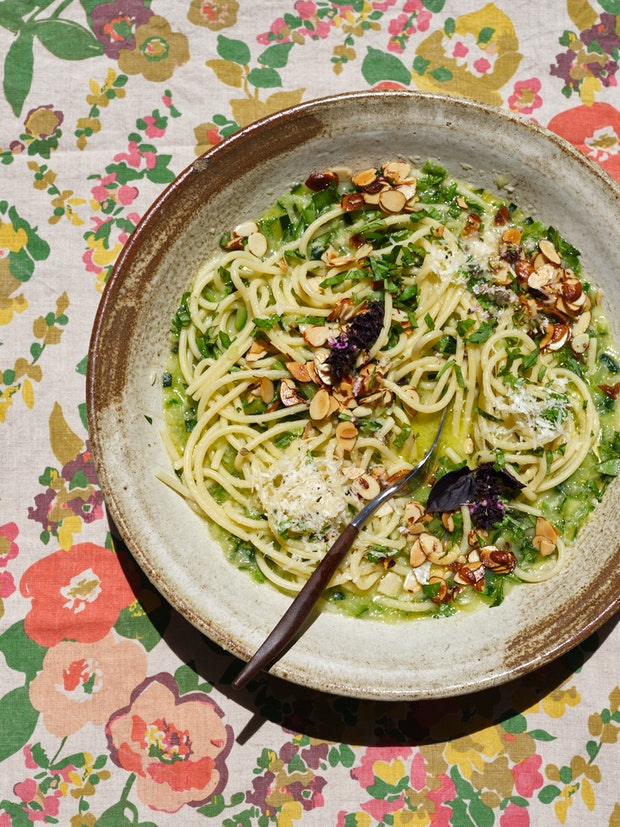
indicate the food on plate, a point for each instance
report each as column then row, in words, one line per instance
column 315, row 352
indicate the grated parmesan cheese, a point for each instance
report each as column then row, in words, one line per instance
column 302, row 493
column 540, row 418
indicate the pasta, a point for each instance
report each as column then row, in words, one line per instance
column 316, row 352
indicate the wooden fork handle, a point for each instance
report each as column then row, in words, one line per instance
column 293, row 619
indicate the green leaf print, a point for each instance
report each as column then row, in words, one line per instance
column 610, row 6
column 434, row 5
column 67, row 40
column 235, row 50
column 264, row 78
column 18, row 68
column 276, row 56
column 16, row 708
column 378, row 66
column 21, row 652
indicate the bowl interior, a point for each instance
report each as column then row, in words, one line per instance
column 130, row 341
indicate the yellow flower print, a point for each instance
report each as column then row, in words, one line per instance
column 389, row 773
column 473, row 56
column 99, row 93
column 363, row 819
column 71, row 525
column 44, row 178
column 470, row 751
column 411, row 818
column 496, row 779
column 158, row 51
column 248, row 110
column 102, row 256
column 11, row 240
column 290, row 813
column 9, row 303
column 214, row 14
column 555, row 703
column 42, row 122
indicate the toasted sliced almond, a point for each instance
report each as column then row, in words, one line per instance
column 346, row 435
column 470, row 574
column 320, row 405
column 257, row 244
column 561, row 335
column 413, row 511
column 392, row 201
column 408, row 190
column 397, row 171
column 267, row 390
column 364, row 178
column 366, row 486
column 544, row 546
column 288, row 393
column 579, row 344
column 299, row 371
column 542, row 277
column 416, row 554
column 246, row 229
column 257, row 350
column 545, row 529
column 352, row 201
column 548, row 250
column 512, row 235
column 317, row 336
column 582, row 323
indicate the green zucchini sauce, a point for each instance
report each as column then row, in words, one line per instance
column 566, row 507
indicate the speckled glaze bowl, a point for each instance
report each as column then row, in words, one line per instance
column 234, row 182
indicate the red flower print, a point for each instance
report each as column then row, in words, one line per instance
column 595, row 130
column 82, row 683
column 176, row 745
column 75, row 594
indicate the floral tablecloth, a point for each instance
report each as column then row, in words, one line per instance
column 114, row 711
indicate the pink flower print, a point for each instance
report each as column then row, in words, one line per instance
column 278, row 32
column 482, row 65
column 176, row 744
column 8, row 546
column 525, row 98
column 417, row 773
column 526, row 776
column 305, row 9
column 460, row 49
column 134, row 156
column 26, row 790
column 7, row 584
column 386, row 4
column 152, row 130
column 82, row 683
column 29, row 761
column 446, row 791
column 126, row 195
column 514, row 816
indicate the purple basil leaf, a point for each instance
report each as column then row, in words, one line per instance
column 452, row 490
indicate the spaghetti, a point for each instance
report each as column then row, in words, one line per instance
column 316, row 351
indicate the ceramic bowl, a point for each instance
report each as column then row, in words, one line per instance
column 233, row 182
